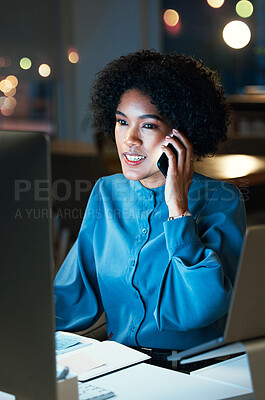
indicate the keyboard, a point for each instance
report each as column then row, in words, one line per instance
column 86, row 391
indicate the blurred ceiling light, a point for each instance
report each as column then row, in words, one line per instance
column 44, row 70
column 13, row 80
column 244, row 8
column 171, row 17
column 25, row 63
column 73, row 56
column 215, row 3
column 236, row 34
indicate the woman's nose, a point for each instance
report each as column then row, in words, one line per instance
column 132, row 138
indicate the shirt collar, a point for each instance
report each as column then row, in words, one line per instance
column 157, row 194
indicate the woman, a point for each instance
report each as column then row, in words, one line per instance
column 158, row 254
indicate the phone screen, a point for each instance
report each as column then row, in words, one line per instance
column 162, row 163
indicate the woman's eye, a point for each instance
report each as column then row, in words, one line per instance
column 121, row 121
column 150, row 126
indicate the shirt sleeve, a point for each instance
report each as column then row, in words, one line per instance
column 78, row 303
column 203, row 255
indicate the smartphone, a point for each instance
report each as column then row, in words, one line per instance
column 162, row 163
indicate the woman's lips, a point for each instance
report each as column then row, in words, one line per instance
column 133, row 159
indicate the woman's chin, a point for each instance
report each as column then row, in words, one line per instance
column 131, row 175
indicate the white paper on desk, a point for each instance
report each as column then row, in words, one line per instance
column 67, row 342
column 80, row 363
column 63, row 341
column 113, row 354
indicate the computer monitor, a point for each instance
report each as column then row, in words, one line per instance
column 27, row 348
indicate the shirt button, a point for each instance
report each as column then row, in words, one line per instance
column 144, row 231
column 132, row 328
column 132, row 263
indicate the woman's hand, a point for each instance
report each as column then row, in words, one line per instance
column 179, row 174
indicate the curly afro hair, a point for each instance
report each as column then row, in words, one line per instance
column 187, row 95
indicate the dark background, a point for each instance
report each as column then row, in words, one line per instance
column 200, row 35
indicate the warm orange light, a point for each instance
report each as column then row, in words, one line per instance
column 13, row 80
column 237, row 165
column 2, row 85
column 11, row 92
column 6, row 112
column 10, row 103
column 44, row 70
column 171, row 17
column 215, row 3
column 5, row 86
column 73, row 56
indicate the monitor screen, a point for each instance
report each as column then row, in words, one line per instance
column 27, row 349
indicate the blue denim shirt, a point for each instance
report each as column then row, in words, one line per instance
column 163, row 284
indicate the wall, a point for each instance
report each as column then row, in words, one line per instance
column 101, row 31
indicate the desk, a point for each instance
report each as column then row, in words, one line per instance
column 240, row 169
column 235, row 371
column 148, row 382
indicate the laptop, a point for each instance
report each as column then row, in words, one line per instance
column 246, row 316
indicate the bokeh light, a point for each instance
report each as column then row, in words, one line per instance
column 236, row 34
column 5, row 61
column 237, row 165
column 171, row 17
column 5, row 85
column 10, row 103
column 2, row 61
column 215, row 3
column 73, row 56
column 2, row 100
column 7, row 112
column 25, row 63
column 244, row 8
column 13, row 80
column 11, row 92
column 44, row 70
